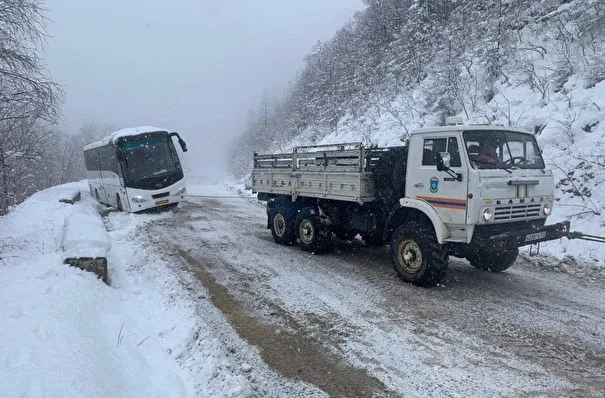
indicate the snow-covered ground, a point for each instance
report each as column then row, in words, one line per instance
column 64, row 333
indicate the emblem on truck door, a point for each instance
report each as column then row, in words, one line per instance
column 434, row 184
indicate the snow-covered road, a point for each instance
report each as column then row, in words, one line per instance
column 345, row 323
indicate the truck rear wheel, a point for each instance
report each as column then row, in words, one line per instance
column 281, row 223
column 311, row 235
column 417, row 256
column 493, row 261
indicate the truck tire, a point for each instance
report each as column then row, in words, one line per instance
column 281, row 223
column 311, row 235
column 417, row 256
column 493, row 261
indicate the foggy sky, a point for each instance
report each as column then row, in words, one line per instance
column 194, row 66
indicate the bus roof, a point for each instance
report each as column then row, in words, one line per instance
column 113, row 137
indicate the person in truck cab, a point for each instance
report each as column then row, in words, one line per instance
column 488, row 155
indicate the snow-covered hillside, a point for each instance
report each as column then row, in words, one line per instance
column 576, row 156
column 400, row 65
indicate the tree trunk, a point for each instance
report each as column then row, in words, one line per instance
column 4, row 187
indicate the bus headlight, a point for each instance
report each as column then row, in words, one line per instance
column 138, row 199
column 181, row 191
column 547, row 209
column 488, row 214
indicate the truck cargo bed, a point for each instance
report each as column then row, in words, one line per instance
column 340, row 172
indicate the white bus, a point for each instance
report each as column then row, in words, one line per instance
column 136, row 169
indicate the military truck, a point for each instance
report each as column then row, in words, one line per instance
column 475, row 192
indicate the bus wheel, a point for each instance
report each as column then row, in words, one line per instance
column 119, row 203
column 311, row 235
column 417, row 256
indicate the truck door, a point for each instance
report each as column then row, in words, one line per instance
column 444, row 192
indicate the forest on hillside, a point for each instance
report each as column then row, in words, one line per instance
column 415, row 62
column 34, row 152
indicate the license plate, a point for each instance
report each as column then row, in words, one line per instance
column 162, row 202
column 535, row 236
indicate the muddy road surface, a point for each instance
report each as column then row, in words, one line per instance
column 345, row 323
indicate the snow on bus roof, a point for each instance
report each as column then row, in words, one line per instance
column 127, row 132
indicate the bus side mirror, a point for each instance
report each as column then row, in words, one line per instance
column 181, row 141
column 183, row 144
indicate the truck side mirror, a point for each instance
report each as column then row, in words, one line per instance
column 443, row 161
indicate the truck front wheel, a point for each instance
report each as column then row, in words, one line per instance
column 281, row 222
column 493, row 261
column 417, row 256
column 311, row 235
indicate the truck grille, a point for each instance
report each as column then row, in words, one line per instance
column 517, row 211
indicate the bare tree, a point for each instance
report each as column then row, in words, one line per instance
column 29, row 101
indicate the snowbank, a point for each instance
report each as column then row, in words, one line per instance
column 63, row 332
column 153, row 333
column 85, row 234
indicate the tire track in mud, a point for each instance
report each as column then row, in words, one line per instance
column 287, row 350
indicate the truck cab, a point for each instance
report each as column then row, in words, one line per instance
column 479, row 177
column 484, row 190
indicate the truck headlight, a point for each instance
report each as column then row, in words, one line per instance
column 488, row 214
column 181, row 191
column 138, row 199
column 547, row 209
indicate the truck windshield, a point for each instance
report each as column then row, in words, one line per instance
column 489, row 149
column 150, row 155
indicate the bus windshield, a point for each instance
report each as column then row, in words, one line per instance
column 149, row 156
column 489, row 149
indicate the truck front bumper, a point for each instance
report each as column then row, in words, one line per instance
column 527, row 236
